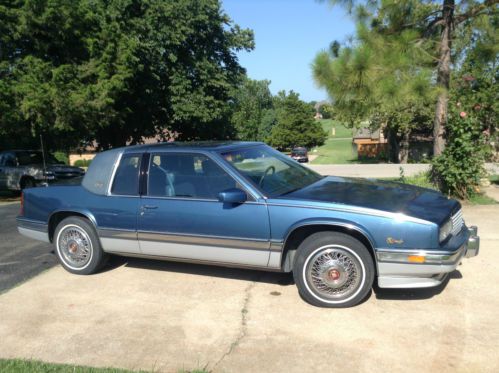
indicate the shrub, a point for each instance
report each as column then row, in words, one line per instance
column 458, row 170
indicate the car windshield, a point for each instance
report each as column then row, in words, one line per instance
column 26, row 158
column 299, row 152
column 274, row 173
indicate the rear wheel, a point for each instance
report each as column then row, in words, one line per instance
column 333, row 270
column 77, row 246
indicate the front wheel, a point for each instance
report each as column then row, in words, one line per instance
column 333, row 270
column 77, row 246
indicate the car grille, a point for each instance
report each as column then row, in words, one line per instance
column 457, row 222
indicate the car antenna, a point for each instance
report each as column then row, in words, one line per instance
column 43, row 158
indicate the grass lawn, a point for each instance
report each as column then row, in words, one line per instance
column 422, row 180
column 34, row 366
column 338, row 148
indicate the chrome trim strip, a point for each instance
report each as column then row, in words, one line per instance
column 35, row 225
column 117, row 233
column 227, row 242
column 360, row 210
column 431, row 257
column 256, row 257
column 333, row 224
column 115, row 168
column 34, row 234
column 198, row 261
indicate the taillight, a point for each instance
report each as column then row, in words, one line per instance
column 21, row 212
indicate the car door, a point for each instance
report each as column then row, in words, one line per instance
column 116, row 212
column 181, row 217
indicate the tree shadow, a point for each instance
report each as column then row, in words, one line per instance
column 415, row 294
column 275, row 278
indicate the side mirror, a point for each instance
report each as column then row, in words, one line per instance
column 232, row 195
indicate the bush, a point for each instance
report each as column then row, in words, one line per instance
column 83, row 162
column 458, row 170
column 61, row 157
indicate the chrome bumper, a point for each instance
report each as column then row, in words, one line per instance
column 395, row 269
column 473, row 244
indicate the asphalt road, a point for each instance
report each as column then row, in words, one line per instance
column 21, row 258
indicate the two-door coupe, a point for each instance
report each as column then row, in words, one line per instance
column 244, row 204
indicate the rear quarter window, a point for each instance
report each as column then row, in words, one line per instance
column 126, row 179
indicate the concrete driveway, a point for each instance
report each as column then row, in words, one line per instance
column 166, row 317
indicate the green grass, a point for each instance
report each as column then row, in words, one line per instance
column 340, row 130
column 18, row 365
column 337, row 149
column 482, row 199
column 335, row 152
column 494, row 179
column 34, row 366
column 422, row 180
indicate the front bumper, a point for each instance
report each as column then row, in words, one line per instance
column 420, row 268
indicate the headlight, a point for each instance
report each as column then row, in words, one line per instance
column 445, row 230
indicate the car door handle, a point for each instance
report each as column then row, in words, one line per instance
column 149, row 207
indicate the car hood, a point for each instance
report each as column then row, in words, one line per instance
column 381, row 195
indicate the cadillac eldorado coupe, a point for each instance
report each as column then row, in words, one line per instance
column 244, row 204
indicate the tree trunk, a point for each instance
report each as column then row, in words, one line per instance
column 393, row 145
column 443, row 77
column 403, row 155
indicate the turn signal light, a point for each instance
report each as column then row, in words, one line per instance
column 416, row 259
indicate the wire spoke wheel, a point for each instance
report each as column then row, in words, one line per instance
column 75, row 246
column 334, row 273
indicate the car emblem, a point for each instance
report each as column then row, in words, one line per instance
column 392, row 241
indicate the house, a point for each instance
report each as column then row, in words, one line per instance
column 370, row 144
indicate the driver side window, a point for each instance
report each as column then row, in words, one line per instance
column 186, row 175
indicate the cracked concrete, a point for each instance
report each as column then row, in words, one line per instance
column 167, row 316
column 242, row 328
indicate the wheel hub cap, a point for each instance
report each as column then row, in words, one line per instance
column 334, row 273
column 75, row 246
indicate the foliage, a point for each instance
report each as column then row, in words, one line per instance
column 252, row 110
column 447, row 34
column 459, row 169
column 472, row 124
column 117, row 70
column 382, row 80
column 295, row 125
column 61, row 157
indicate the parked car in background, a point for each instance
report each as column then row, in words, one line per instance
column 300, row 154
column 248, row 205
column 21, row 169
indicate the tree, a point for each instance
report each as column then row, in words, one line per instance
column 252, row 103
column 295, row 124
column 382, row 79
column 437, row 21
column 115, row 71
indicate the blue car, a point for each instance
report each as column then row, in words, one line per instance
column 243, row 204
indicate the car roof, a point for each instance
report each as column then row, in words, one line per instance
column 192, row 145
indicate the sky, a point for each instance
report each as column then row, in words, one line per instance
column 288, row 35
